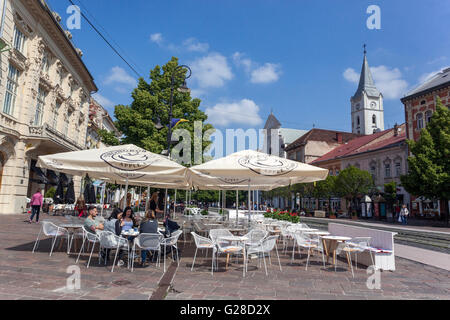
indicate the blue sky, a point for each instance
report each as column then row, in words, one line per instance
column 300, row 59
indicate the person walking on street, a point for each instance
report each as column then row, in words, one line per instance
column 36, row 204
column 404, row 214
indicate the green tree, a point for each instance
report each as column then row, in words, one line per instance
column 353, row 182
column 326, row 189
column 108, row 138
column 151, row 102
column 390, row 194
column 429, row 166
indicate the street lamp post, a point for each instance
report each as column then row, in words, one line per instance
column 183, row 89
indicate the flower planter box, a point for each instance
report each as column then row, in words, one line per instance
column 332, row 217
column 354, row 217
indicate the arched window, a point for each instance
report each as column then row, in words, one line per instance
column 374, row 119
column 428, row 116
column 419, row 121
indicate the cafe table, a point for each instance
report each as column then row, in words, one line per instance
column 237, row 239
column 71, row 228
column 330, row 244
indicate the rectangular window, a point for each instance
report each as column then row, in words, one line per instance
column 11, row 90
column 55, row 115
column 19, row 40
column 40, row 107
column 387, row 169
column 419, row 121
column 45, row 63
column 299, row 156
column 398, row 169
column 66, row 123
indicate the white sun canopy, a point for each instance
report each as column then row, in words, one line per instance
column 253, row 170
column 118, row 164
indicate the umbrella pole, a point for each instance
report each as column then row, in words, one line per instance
column 175, row 204
column 237, row 207
column 125, row 197
column 165, row 204
column 249, row 202
column 224, row 200
column 102, row 198
column 148, row 197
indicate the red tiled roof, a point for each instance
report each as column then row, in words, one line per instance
column 381, row 144
column 350, row 147
column 322, row 135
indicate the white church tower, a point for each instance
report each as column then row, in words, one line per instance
column 367, row 104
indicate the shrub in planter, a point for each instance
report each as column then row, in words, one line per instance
column 204, row 212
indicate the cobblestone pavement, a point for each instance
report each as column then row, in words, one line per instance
column 24, row 275
column 27, row 275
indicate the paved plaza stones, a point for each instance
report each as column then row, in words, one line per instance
column 24, row 275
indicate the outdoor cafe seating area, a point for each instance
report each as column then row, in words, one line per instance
column 241, row 240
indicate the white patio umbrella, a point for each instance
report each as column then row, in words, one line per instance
column 252, row 170
column 126, row 164
column 125, row 161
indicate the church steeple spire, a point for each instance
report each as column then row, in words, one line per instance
column 366, row 80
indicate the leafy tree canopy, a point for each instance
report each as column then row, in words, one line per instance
column 429, row 167
column 150, row 102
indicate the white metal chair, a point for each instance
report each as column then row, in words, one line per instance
column 203, row 243
column 255, row 236
column 92, row 239
column 265, row 246
column 360, row 244
column 172, row 243
column 109, row 240
column 52, row 230
column 150, row 242
column 305, row 243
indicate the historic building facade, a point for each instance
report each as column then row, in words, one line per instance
column 99, row 118
column 45, row 92
column 420, row 104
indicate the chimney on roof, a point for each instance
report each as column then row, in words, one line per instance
column 339, row 137
column 395, row 130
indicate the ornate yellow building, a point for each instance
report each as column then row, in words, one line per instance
column 45, row 91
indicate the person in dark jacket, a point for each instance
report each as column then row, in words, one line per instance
column 148, row 225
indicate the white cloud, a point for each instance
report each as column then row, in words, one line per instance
column 239, row 60
column 268, row 73
column 103, row 101
column 118, row 75
column 351, row 75
column 244, row 112
column 193, row 44
column 388, row 81
column 157, row 38
column 211, row 71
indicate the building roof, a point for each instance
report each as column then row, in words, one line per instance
column 440, row 79
column 290, row 135
column 365, row 143
column 315, row 134
column 366, row 83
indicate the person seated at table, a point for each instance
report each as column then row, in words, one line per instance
column 170, row 225
column 148, row 225
column 129, row 222
column 115, row 222
column 90, row 223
